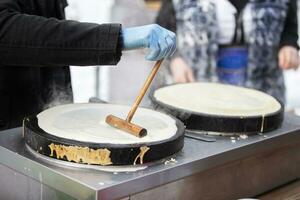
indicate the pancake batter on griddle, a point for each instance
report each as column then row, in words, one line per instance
column 86, row 122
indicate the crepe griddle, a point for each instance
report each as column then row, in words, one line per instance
column 219, row 123
column 92, row 150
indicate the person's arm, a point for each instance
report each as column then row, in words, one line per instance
column 288, row 53
column 289, row 35
column 166, row 16
column 180, row 71
column 30, row 40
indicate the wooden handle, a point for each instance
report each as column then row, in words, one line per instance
column 143, row 90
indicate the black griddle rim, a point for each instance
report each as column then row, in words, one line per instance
column 123, row 154
column 217, row 123
column 32, row 123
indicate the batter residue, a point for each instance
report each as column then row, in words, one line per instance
column 140, row 156
column 262, row 124
column 81, row 154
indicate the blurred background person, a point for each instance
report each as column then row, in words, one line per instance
column 121, row 84
column 241, row 42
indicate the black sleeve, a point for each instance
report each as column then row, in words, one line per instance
column 290, row 32
column 30, row 40
column 166, row 16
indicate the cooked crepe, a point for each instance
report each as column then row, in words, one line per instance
column 218, row 99
column 86, row 123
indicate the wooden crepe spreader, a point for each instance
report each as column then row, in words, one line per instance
column 126, row 125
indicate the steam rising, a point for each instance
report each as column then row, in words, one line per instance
column 58, row 95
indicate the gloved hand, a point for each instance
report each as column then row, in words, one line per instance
column 162, row 43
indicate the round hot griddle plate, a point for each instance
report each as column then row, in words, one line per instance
column 39, row 135
column 179, row 101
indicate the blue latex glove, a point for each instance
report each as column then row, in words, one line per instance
column 162, row 43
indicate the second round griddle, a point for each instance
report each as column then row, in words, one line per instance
column 78, row 133
column 215, row 107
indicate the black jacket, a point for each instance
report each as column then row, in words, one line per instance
column 36, row 47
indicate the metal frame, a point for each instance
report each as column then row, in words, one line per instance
column 196, row 156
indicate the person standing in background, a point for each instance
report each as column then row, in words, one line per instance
column 241, row 42
column 37, row 45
